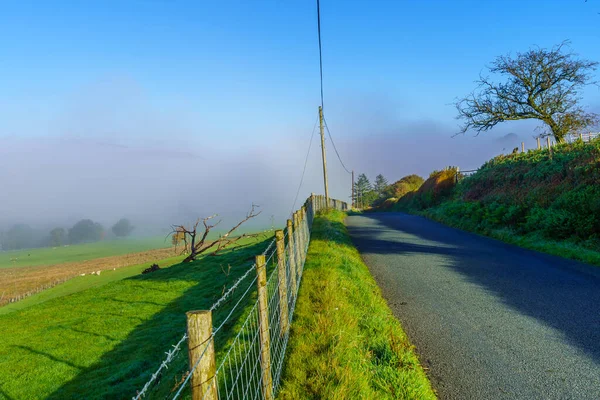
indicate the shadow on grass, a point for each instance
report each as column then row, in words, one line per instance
column 49, row 356
column 123, row 370
column 562, row 294
column 5, row 395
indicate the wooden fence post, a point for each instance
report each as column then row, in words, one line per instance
column 539, row 145
column 303, row 234
column 549, row 147
column 581, row 136
column 263, row 317
column 522, row 147
column 201, row 347
column 300, row 235
column 282, row 276
column 291, row 256
column 298, row 242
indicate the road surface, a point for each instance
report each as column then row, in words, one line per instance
column 489, row 320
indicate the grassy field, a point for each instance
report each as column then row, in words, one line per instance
column 104, row 342
column 345, row 342
column 79, row 252
column 80, row 283
column 21, row 282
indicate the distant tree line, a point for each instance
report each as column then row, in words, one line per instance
column 370, row 195
column 22, row 236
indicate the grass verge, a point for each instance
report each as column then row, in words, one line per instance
column 533, row 241
column 345, row 342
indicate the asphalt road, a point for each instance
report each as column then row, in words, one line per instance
column 489, row 320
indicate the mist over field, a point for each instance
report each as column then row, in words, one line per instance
column 57, row 180
column 107, row 151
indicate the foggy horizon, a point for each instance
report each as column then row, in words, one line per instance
column 166, row 125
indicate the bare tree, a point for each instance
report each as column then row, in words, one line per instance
column 540, row 84
column 196, row 240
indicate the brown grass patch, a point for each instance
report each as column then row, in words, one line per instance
column 17, row 283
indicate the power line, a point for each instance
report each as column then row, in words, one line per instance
column 333, row 143
column 305, row 162
column 320, row 52
column 321, row 70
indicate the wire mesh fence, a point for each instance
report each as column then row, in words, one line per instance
column 243, row 356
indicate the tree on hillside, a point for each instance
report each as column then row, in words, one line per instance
column 195, row 238
column 86, row 230
column 122, row 228
column 405, row 185
column 538, row 84
column 58, row 237
column 380, row 185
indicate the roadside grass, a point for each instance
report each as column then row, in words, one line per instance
column 79, row 252
column 345, row 343
column 548, row 202
column 80, row 283
column 105, row 342
column 569, row 249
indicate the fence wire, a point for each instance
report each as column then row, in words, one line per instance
column 249, row 365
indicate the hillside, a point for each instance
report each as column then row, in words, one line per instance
column 549, row 202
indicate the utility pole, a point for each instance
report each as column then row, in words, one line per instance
column 352, row 198
column 324, row 157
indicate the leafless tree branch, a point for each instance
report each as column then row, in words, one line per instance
column 539, row 84
column 198, row 243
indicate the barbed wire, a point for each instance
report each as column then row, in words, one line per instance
column 171, row 354
column 269, row 247
column 235, row 306
column 189, row 375
column 218, row 303
column 164, row 365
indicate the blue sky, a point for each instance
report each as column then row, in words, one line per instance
column 228, row 76
column 257, row 60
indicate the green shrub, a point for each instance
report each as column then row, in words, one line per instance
column 556, row 197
